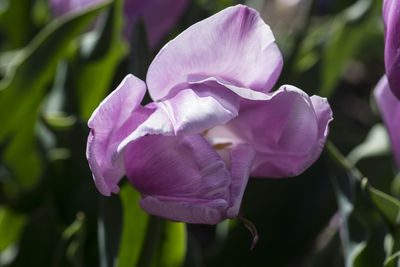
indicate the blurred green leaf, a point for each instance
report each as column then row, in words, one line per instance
column 102, row 50
column 350, row 30
column 172, row 249
column 389, row 206
column 362, row 232
column 375, row 144
column 394, row 260
column 13, row 13
column 24, row 169
column 75, row 227
column 36, row 67
column 216, row 5
column 163, row 243
column 134, row 227
column 11, row 225
column 395, row 187
column 60, row 120
column 74, row 236
column 23, row 88
column 41, row 12
column 353, row 247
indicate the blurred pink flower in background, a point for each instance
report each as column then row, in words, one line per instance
column 212, row 124
column 387, row 92
column 160, row 16
column 389, row 106
column 391, row 17
column 61, row 7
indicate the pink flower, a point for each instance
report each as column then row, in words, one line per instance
column 160, row 16
column 391, row 17
column 389, row 106
column 212, row 124
column 387, row 92
column 61, row 7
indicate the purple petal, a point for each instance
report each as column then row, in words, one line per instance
column 160, row 16
column 61, row 7
column 201, row 213
column 389, row 106
column 117, row 115
column 391, row 16
column 288, row 131
column 180, row 114
column 183, row 172
column 234, row 45
column 195, row 111
column 241, row 159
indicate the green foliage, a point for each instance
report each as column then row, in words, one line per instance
column 376, row 144
column 393, row 261
column 16, row 12
column 167, row 250
column 134, row 227
column 348, row 35
column 55, row 71
column 11, row 225
column 23, row 89
column 172, row 248
column 101, row 51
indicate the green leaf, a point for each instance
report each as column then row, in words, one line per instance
column 11, row 225
column 133, row 229
column 22, row 91
column 350, row 31
column 353, row 247
column 387, row 205
column 394, row 260
column 93, row 70
column 395, row 187
column 375, row 144
column 172, row 249
column 12, row 13
column 145, row 240
column 27, row 169
column 35, row 67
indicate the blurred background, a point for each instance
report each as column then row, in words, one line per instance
column 57, row 64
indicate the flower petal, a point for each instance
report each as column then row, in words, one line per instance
column 183, row 171
column 116, row 116
column 288, row 131
column 61, row 7
column 234, row 45
column 389, row 106
column 391, row 16
column 201, row 213
column 240, row 91
column 188, row 112
column 240, row 165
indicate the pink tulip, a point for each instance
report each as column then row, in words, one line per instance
column 387, row 92
column 212, row 124
column 391, row 17
column 160, row 16
column 389, row 106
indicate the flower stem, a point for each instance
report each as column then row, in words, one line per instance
column 342, row 161
column 154, row 231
